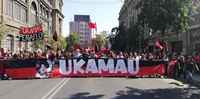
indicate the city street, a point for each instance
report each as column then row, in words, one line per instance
column 99, row 49
column 97, row 88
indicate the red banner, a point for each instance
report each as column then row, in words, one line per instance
column 29, row 34
column 31, row 30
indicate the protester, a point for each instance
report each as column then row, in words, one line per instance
column 1, row 55
column 50, row 59
column 120, row 55
column 185, row 66
column 41, row 67
column 77, row 54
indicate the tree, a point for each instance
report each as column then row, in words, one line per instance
column 73, row 39
column 157, row 16
column 111, row 37
column 119, row 40
column 164, row 15
column 115, row 30
column 62, row 43
column 134, row 37
column 39, row 44
column 100, row 40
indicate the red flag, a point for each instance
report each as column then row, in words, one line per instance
column 157, row 44
column 92, row 25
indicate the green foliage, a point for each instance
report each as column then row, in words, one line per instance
column 62, row 43
column 164, row 15
column 134, row 36
column 127, row 40
column 38, row 44
column 101, row 40
column 156, row 15
column 115, row 30
column 73, row 39
column 46, row 34
column 119, row 41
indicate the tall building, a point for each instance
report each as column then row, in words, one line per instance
column 80, row 26
column 27, row 13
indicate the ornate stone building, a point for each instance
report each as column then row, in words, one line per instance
column 193, row 35
column 186, row 43
column 27, row 13
column 129, row 13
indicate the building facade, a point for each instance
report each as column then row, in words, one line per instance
column 186, row 43
column 80, row 26
column 27, row 13
column 193, row 35
column 129, row 13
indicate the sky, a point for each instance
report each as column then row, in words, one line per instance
column 104, row 12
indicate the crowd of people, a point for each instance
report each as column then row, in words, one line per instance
column 185, row 65
column 79, row 53
column 92, row 53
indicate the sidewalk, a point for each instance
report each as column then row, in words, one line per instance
column 196, row 79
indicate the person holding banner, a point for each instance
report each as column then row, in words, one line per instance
column 41, row 67
column 1, row 55
column 120, row 55
column 77, row 53
column 50, row 60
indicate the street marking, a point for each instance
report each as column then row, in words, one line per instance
column 58, row 89
column 55, row 89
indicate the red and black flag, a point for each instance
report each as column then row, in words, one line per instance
column 159, row 45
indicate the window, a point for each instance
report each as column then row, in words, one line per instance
column 8, row 43
column 60, row 25
column 17, row 11
column 43, row 13
column 47, row 14
column 33, row 14
column 9, row 8
column 24, row 1
column 23, row 15
column 45, row 25
column 60, row 6
column 41, row 10
column 50, row 1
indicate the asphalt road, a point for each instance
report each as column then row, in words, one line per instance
column 97, row 88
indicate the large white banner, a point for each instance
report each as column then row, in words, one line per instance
column 99, row 66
